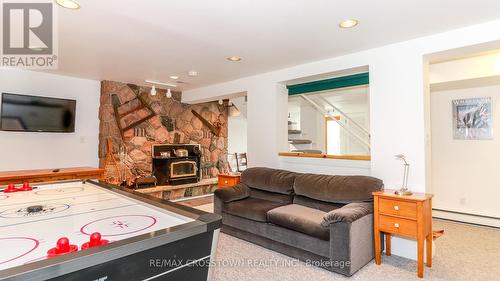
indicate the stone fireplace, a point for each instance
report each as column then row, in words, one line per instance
column 172, row 123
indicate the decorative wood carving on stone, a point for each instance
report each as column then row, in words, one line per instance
column 213, row 128
column 124, row 111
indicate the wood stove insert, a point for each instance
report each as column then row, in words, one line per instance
column 170, row 169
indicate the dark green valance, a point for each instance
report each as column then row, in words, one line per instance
column 330, row 84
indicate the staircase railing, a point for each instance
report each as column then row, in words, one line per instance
column 351, row 121
column 348, row 130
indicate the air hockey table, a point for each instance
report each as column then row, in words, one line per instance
column 45, row 234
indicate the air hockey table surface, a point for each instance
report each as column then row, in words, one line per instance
column 141, row 231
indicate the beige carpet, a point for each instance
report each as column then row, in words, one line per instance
column 206, row 207
column 464, row 253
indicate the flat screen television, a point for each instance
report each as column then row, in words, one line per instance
column 37, row 114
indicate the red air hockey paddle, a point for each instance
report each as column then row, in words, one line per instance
column 26, row 187
column 63, row 247
column 95, row 241
column 10, row 188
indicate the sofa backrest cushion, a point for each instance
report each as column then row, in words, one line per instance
column 316, row 204
column 271, row 196
column 337, row 189
column 268, row 179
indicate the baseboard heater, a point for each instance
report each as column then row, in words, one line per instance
column 475, row 219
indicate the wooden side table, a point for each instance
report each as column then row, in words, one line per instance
column 226, row 180
column 408, row 216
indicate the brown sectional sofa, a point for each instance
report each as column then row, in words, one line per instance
column 324, row 220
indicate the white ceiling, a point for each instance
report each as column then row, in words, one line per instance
column 130, row 41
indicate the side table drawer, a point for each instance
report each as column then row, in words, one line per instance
column 398, row 226
column 398, row 208
column 228, row 181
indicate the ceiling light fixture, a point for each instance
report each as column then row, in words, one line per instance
column 153, row 91
column 175, row 77
column 169, row 93
column 348, row 23
column 68, row 4
column 193, row 73
column 234, row 58
column 160, row 83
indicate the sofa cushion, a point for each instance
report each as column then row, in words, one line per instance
column 316, row 204
column 300, row 218
column 268, row 179
column 251, row 208
column 337, row 189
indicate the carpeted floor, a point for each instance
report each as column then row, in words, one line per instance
column 465, row 253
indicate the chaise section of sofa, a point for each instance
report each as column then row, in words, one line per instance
column 323, row 220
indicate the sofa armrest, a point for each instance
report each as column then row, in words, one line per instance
column 348, row 213
column 351, row 236
column 237, row 192
column 226, row 195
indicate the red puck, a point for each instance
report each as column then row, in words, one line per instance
column 95, row 241
column 62, row 247
column 10, row 188
column 26, row 187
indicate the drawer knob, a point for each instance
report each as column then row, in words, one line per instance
column 396, row 225
column 396, row 208
column 225, row 182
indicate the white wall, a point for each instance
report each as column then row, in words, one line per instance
column 237, row 134
column 19, row 150
column 465, row 172
column 398, row 105
column 466, row 68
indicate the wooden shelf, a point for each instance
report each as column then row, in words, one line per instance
column 45, row 175
column 310, row 155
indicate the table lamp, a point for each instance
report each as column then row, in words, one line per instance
column 404, row 188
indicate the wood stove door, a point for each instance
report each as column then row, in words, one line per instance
column 181, row 169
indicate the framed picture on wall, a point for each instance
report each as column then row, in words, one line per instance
column 472, row 119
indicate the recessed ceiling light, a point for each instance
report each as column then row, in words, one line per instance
column 193, row 73
column 68, row 4
column 175, row 77
column 234, row 58
column 348, row 23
